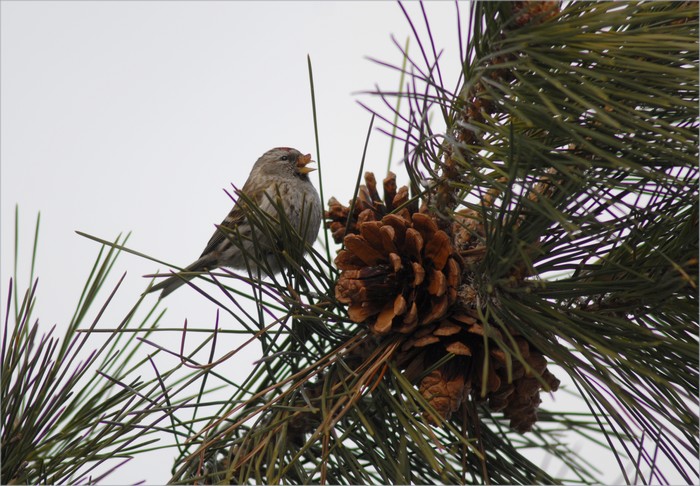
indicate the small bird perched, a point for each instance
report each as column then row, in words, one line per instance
column 282, row 175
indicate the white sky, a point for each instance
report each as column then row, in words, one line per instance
column 133, row 116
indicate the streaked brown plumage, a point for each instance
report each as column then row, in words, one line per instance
column 280, row 174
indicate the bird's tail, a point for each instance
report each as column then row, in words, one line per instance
column 172, row 283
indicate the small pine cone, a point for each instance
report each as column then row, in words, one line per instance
column 520, row 399
column 545, row 187
column 398, row 273
column 368, row 206
column 522, row 406
column 445, row 390
column 469, row 236
column 529, row 11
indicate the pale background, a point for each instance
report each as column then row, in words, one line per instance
column 133, row 116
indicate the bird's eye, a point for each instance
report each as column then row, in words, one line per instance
column 284, row 157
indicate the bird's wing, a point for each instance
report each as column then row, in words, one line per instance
column 232, row 220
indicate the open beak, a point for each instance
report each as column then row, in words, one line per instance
column 302, row 163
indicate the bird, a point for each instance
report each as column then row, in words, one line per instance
column 278, row 179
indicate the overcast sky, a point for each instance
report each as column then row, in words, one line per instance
column 133, row 116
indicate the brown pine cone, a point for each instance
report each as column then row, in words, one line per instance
column 397, row 273
column 368, row 206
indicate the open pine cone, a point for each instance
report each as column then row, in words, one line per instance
column 368, row 206
column 398, row 273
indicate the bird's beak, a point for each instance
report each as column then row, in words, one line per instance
column 302, row 163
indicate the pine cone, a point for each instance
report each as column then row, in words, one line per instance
column 398, row 273
column 445, row 391
column 520, row 399
column 469, row 236
column 446, row 388
column 534, row 12
column 368, row 206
